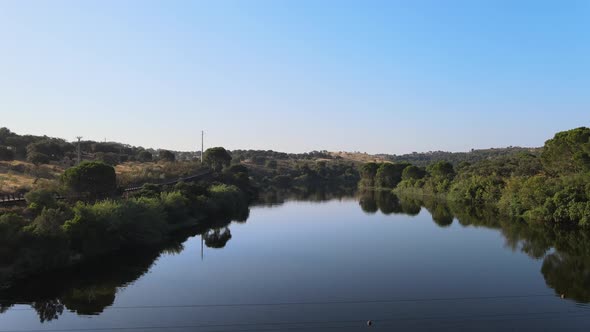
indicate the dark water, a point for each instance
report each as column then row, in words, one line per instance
column 314, row 266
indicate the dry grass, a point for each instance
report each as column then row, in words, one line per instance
column 20, row 176
column 357, row 156
column 134, row 173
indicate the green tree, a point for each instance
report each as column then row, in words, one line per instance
column 90, row 177
column 109, row 158
column 389, row 174
column 52, row 147
column 166, row 155
column 217, row 158
column 567, row 152
column 413, row 173
column 144, row 156
column 368, row 172
column 6, row 154
column 441, row 170
column 37, row 158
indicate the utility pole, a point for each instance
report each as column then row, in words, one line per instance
column 79, row 150
column 202, row 144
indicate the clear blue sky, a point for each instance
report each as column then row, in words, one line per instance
column 374, row 76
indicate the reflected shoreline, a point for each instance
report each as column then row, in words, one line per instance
column 565, row 252
column 91, row 287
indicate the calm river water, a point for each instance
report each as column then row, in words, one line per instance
column 405, row 265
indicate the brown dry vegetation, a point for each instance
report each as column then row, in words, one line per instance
column 134, row 173
column 358, row 156
column 19, row 176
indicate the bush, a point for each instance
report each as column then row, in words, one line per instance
column 10, row 226
column 48, row 224
column 140, row 221
column 228, row 200
column 110, row 225
column 176, row 206
column 476, row 189
column 37, row 158
column 88, row 230
column 149, row 190
column 40, row 199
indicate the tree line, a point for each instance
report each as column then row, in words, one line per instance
column 44, row 149
column 550, row 186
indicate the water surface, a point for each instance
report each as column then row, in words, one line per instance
column 332, row 265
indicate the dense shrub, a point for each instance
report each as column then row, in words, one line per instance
column 40, row 199
column 109, row 225
column 176, row 206
column 90, row 177
column 388, row 175
column 37, row 158
column 476, row 189
column 228, row 199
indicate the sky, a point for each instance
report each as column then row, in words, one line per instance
column 371, row 76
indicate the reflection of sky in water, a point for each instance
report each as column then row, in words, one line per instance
column 337, row 252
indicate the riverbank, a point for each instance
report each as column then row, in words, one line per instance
column 48, row 234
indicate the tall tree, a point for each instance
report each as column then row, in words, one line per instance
column 95, row 178
column 217, row 158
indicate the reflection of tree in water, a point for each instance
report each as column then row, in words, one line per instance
column 568, row 275
column 242, row 215
column 439, row 210
column 217, row 238
column 387, row 202
column 91, row 299
column 86, row 289
column 410, row 206
column 173, row 249
column 89, row 288
column 4, row 307
column 317, row 193
column 441, row 214
column 566, row 269
column 367, row 202
column 48, row 309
